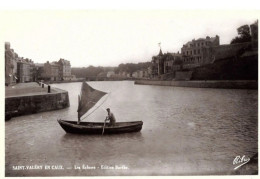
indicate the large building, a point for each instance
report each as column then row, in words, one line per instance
column 25, row 68
column 39, row 71
column 65, row 69
column 164, row 63
column 54, row 71
column 17, row 69
column 192, row 51
column 10, row 65
column 51, row 71
column 171, row 61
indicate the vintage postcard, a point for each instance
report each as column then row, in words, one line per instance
column 130, row 93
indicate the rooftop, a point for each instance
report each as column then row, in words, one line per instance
column 63, row 61
column 39, row 64
column 211, row 39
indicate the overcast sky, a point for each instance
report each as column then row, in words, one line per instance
column 108, row 38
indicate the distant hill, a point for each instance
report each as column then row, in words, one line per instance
column 90, row 71
column 132, row 67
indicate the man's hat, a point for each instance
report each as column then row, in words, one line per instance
column 108, row 109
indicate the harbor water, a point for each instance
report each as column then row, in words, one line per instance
column 186, row 131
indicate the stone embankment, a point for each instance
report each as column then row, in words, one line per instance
column 228, row 84
column 29, row 98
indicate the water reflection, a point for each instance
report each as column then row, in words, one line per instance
column 185, row 131
column 136, row 136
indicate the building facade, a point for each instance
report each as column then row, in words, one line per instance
column 135, row 74
column 39, row 71
column 51, row 71
column 164, row 63
column 10, row 65
column 171, row 59
column 65, row 69
column 192, row 51
column 25, row 69
column 110, row 74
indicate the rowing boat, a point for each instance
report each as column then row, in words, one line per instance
column 97, row 127
column 87, row 99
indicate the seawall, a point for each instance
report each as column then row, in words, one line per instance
column 228, row 84
column 17, row 105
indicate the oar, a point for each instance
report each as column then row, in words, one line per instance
column 104, row 127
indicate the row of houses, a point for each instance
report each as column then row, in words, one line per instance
column 17, row 69
column 199, row 52
column 21, row 70
column 55, row 71
column 142, row 73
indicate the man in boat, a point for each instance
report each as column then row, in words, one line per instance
column 110, row 117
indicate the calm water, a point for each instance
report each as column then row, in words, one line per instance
column 186, row 131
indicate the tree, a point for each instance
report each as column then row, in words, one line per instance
column 243, row 35
column 90, row 71
column 132, row 67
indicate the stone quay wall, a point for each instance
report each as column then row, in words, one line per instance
column 29, row 104
column 228, row 84
column 183, row 75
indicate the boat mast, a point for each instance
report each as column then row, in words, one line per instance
column 78, row 109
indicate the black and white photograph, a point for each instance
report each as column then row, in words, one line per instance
column 103, row 92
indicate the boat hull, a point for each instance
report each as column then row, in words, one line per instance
column 97, row 127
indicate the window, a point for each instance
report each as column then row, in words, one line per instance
column 194, row 52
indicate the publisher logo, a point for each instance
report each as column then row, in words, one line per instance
column 239, row 161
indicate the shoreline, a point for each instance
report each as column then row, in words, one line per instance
column 220, row 84
column 225, row 84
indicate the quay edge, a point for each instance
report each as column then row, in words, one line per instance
column 228, row 84
column 35, row 103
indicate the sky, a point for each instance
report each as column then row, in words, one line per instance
column 111, row 37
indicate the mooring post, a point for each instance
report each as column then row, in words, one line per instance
column 49, row 88
column 42, row 85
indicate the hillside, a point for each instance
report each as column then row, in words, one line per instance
column 241, row 68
